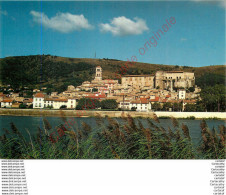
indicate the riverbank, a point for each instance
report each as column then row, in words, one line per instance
column 89, row 113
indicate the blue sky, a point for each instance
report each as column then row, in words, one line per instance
column 115, row 30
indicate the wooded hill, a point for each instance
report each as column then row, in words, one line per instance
column 56, row 73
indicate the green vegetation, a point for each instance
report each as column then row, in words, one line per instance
column 210, row 79
column 190, row 108
column 87, row 104
column 43, row 71
column 156, row 106
column 109, row 104
column 23, row 106
column 191, row 117
column 214, row 98
column 113, row 140
column 166, row 106
column 56, row 73
column 133, row 109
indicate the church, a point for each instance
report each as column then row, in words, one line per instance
column 103, row 86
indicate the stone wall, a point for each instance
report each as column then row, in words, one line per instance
column 88, row 113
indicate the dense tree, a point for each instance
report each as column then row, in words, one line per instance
column 87, row 103
column 133, row 108
column 109, row 104
column 177, row 106
column 210, row 79
column 22, row 106
column 190, row 108
column 156, row 106
column 42, row 69
column 167, row 106
column 214, row 98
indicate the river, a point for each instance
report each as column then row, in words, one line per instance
column 31, row 124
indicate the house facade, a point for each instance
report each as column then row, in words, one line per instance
column 6, row 103
column 142, row 105
column 42, row 101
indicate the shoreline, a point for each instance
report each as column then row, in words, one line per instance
column 116, row 114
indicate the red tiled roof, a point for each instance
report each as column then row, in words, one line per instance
column 167, row 96
column 40, row 95
column 96, row 97
column 155, row 100
column 140, row 101
column 7, row 100
column 50, row 99
column 143, row 100
column 29, row 100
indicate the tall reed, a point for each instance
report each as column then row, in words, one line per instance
column 129, row 139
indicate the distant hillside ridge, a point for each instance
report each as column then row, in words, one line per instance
column 56, row 73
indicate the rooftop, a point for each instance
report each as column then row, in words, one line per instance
column 39, row 95
column 138, row 75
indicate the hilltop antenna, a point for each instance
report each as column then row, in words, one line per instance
column 95, row 55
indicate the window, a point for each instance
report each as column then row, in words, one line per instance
column 39, row 104
column 36, row 105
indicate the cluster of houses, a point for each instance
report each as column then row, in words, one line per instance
column 136, row 92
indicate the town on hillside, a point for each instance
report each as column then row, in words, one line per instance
column 169, row 90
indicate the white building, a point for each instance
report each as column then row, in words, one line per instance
column 71, row 103
column 182, row 94
column 125, row 105
column 38, row 100
column 6, row 103
column 59, row 102
column 142, row 105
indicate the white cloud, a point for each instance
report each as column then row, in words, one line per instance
column 62, row 22
column 122, row 26
column 2, row 12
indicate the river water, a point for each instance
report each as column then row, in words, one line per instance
column 31, row 124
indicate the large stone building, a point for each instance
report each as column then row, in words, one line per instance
column 174, row 79
column 138, row 81
column 162, row 79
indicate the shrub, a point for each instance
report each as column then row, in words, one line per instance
column 63, row 107
column 133, row 108
column 22, row 106
column 109, row 104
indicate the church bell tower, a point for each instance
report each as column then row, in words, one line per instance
column 98, row 75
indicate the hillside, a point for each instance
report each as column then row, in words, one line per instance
column 56, row 73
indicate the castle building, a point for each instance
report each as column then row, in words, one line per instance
column 174, row 79
column 138, row 81
column 165, row 80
